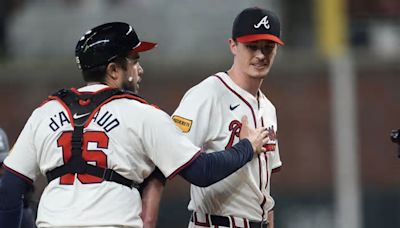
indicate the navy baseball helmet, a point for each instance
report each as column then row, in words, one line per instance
column 102, row 44
column 4, row 147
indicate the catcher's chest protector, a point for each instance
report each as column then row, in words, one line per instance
column 81, row 108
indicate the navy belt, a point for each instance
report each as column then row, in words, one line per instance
column 218, row 220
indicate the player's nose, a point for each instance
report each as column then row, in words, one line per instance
column 260, row 54
column 140, row 70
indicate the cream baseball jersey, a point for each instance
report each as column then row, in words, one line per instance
column 209, row 114
column 127, row 136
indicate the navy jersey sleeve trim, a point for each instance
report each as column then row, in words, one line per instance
column 185, row 165
column 22, row 176
column 210, row 168
column 12, row 191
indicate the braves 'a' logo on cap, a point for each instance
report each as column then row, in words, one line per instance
column 264, row 21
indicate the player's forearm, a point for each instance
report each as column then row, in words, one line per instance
column 271, row 219
column 210, row 168
column 151, row 197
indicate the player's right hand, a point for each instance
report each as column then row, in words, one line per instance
column 257, row 137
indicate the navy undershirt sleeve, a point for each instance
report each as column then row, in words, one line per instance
column 209, row 168
column 12, row 190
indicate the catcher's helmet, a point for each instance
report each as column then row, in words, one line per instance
column 3, row 145
column 102, row 44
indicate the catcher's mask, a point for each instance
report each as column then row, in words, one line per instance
column 102, row 44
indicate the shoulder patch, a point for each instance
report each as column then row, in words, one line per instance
column 183, row 123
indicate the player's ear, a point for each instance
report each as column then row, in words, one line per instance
column 112, row 71
column 233, row 46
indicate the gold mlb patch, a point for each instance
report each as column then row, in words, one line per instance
column 183, row 123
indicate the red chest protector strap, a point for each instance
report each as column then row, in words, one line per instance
column 81, row 109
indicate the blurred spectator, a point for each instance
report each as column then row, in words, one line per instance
column 3, row 149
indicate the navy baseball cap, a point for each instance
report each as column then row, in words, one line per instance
column 254, row 24
column 4, row 148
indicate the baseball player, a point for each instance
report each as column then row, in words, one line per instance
column 96, row 144
column 243, row 199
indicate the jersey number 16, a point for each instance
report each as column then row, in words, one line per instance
column 92, row 156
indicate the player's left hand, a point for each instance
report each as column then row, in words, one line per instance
column 257, row 137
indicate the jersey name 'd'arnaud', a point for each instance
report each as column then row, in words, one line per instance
column 105, row 120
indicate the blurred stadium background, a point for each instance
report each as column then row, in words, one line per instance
column 37, row 40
